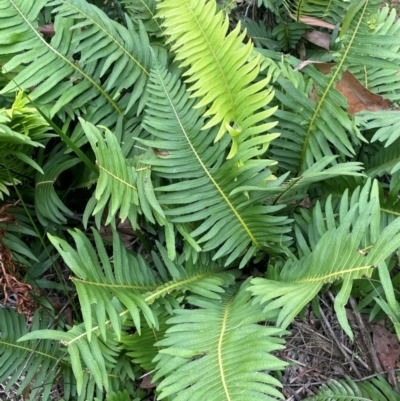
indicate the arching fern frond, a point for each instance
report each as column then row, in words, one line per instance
column 117, row 179
column 226, row 358
column 49, row 208
column 230, row 221
column 376, row 389
column 220, row 69
column 346, row 252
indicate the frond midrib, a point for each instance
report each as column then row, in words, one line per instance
column 164, row 290
column 209, row 175
column 338, row 69
column 220, row 345
column 31, row 351
column 71, row 64
column 115, row 177
column 337, row 275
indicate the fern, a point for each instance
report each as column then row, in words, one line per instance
column 64, row 80
column 223, row 86
column 206, row 194
column 377, row 389
column 211, row 339
column 36, row 364
column 347, row 257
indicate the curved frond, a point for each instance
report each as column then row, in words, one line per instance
column 348, row 252
column 219, row 352
column 384, row 32
column 376, row 389
column 202, row 181
column 117, row 179
column 220, row 69
column 48, row 206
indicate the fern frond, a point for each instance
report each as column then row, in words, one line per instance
column 386, row 160
column 308, row 129
column 385, row 122
column 22, row 130
column 346, row 252
column 330, row 11
column 376, row 389
column 384, row 27
column 49, row 207
column 56, row 78
column 117, row 180
column 220, row 69
column 140, row 347
column 219, row 352
column 130, row 280
column 202, row 181
column 36, row 363
column 122, row 51
column 144, row 11
column 288, row 35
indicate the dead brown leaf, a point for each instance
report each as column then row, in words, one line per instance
column 147, row 383
column 320, row 39
column 358, row 97
column 313, row 22
column 387, row 349
column 9, row 278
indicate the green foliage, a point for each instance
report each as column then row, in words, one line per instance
column 144, row 93
column 377, row 389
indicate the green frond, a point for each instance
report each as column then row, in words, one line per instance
column 98, row 357
column 260, row 34
column 219, row 352
column 122, row 51
column 131, row 280
column 117, row 179
column 384, row 27
column 34, row 364
column 56, row 79
column 347, row 252
column 288, row 35
column 331, row 11
column 386, row 124
column 203, row 181
column 48, row 206
column 308, row 129
column 140, row 347
column 219, row 67
column 144, row 11
column 22, row 129
column 386, row 160
column 376, row 389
